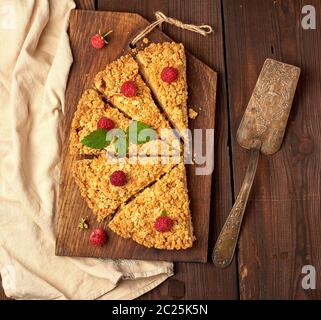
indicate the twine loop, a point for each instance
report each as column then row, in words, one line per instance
column 203, row 30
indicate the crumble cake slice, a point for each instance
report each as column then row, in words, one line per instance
column 90, row 109
column 169, row 194
column 169, row 89
column 93, row 177
column 139, row 105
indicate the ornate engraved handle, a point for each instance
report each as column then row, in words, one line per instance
column 225, row 245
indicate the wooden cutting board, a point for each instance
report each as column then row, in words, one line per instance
column 70, row 241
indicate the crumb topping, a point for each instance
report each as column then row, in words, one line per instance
column 154, row 184
column 92, row 178
column 171, row 96
column 137, row 218
column 91, row 108
column 141, row 107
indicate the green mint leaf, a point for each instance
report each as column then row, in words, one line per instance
column 164, row 213
column 96, row 139
column 139, row 133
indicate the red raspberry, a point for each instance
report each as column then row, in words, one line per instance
column 98, row 237
column 169, row 74
column 105, row 123
column 163, row 224
column 118, row 178
column 97, row 41
column 129, row 89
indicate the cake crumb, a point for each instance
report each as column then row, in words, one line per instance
column 192, row 114
column 146, row 40
column 134, row 50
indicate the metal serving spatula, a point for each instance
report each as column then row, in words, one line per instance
column 261, row 129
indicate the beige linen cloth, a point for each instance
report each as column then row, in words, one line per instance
column 35, row 58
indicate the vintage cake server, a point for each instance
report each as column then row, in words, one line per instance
column 261, row 130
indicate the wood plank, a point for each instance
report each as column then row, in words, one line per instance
column 202, row 93
column 280, row 233
column 85, row 4
column 190, row 278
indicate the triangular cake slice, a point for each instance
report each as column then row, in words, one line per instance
column 168, row 195
column 91, row 108
column 171, row 94
column 93, row 177
column 140, row 106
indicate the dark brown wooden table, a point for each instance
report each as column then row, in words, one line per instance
column 282, row 228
